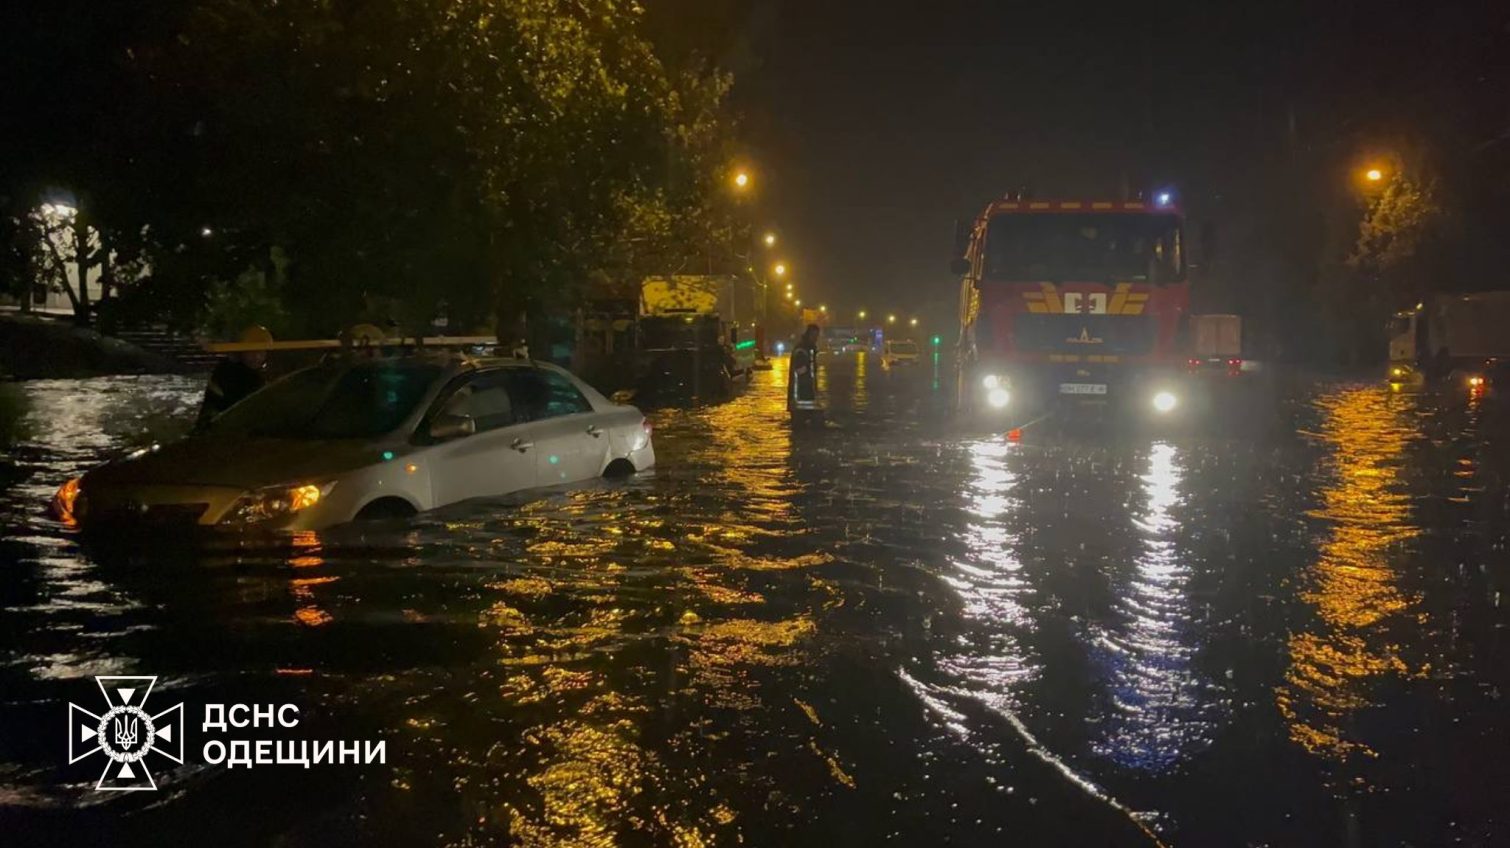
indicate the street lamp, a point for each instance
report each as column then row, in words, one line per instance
column 822, row 308
column 862, row 315
column 1373, row 175
column 770, row 239
column 913, row 322
column 891, row 319
column 741, row 179
column 797, row 302
column 780, row 269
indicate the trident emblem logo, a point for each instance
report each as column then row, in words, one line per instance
column 126, row 733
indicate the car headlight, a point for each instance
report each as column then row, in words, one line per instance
column 998, row 397
column 66, row 501
column 1475, row 381
column 990, row 381
column 1164, row 401
column 274, row 502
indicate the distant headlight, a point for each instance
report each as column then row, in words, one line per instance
column 998, row 398
column 991, row 381
column 1475, row 381
column 1164, row 401
column 275, row 501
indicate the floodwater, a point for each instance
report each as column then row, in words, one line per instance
column 1280, row 629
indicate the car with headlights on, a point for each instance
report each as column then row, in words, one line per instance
column 361, row 438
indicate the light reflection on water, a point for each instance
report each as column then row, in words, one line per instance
column 989, row 580
column 1353, row 586
column 1161, row 710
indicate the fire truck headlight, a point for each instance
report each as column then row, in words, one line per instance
column 991, row 381
column 1164, row 401
column 998, row 398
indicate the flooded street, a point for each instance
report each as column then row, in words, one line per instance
column 888, row 630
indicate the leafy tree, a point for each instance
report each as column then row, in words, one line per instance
column 490, row 154
column 1395, row 224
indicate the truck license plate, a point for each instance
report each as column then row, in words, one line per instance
column 1082, row 388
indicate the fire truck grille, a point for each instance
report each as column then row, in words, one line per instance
column 1127, row 335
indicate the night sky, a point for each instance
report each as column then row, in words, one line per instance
column 873, row 126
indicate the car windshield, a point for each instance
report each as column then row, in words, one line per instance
column 1103, row 247
column 333, row 402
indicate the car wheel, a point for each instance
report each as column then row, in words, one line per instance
column 384, row 509
column 619, row 468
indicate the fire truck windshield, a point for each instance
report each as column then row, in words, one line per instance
column 1090, row 247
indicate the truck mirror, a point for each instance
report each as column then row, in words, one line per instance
column 959, row 266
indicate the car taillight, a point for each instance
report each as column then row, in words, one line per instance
column 649, row 428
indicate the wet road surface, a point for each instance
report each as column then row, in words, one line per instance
column 1288, row 629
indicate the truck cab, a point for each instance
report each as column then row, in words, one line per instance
column 1072, row 302
column 1451, row 338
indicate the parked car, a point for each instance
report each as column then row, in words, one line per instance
column 370, row 438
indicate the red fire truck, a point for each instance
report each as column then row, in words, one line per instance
column 1072, row 301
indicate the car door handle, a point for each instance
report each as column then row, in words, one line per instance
column 521, row 445
column 592, row 430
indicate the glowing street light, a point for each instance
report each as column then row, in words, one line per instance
column 788, row 292
column 742, row 179
column 862, row 315
column 797, row 302
column 770, row 239
column 780, row 269
column 913, row 322
column 1373, row 175
column 891, row 319
column 822, row 308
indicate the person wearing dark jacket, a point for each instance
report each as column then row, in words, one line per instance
column 802, row 373
column 234, row 377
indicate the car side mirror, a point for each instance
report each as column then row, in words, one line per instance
column 959, row 266
column 445, row 427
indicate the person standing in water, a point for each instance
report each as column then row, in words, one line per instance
column 235, row 376
column 802, row 373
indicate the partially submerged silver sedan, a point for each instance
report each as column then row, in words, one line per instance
column 370, row 438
